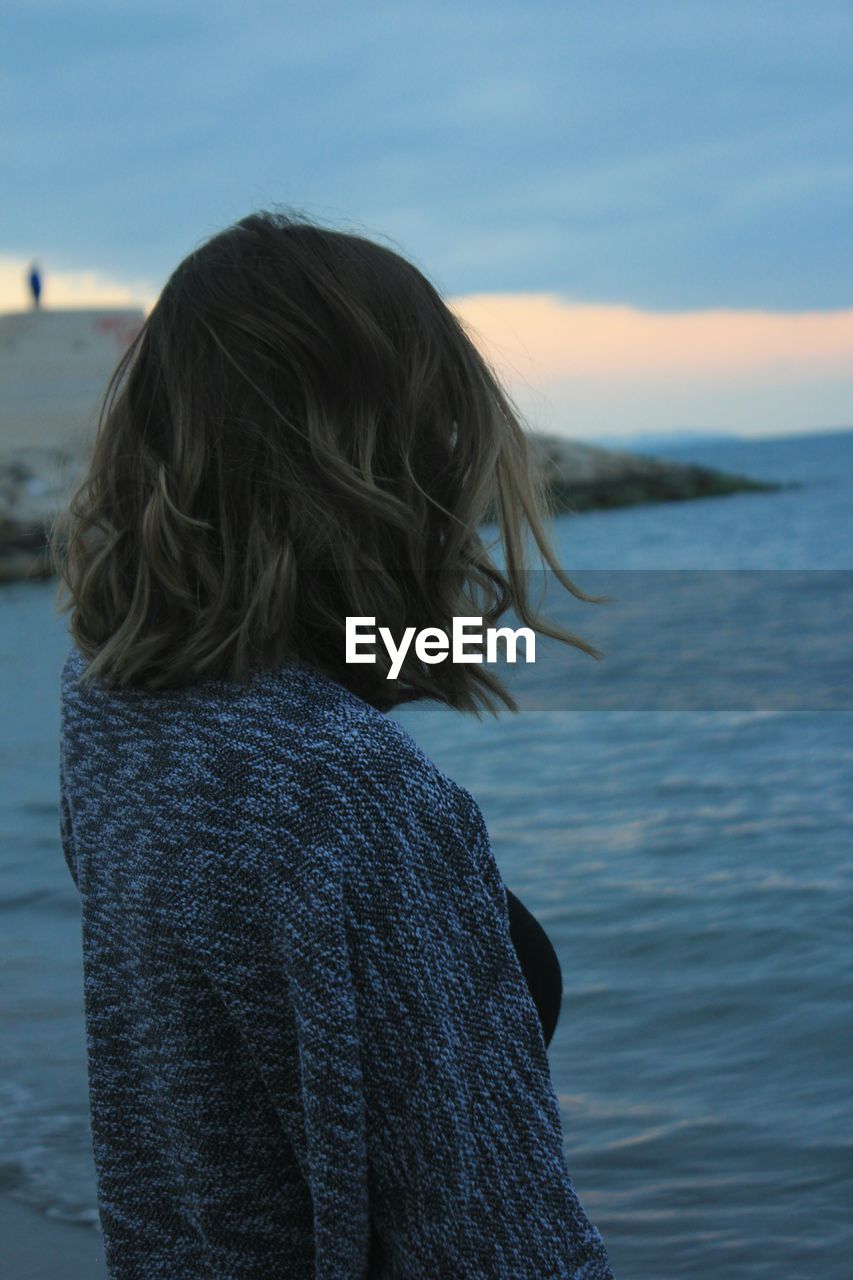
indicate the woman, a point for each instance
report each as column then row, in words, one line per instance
column 312, row 1050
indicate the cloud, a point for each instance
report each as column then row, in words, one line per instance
column 591, row 370
column 664, row 154
column 555, row 339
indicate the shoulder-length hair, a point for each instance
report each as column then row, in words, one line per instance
column 301, row 432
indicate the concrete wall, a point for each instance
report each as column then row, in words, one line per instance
column 54, row 368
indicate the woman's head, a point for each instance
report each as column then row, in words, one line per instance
column 302, row 431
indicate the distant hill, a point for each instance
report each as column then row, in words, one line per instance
column 648, row 442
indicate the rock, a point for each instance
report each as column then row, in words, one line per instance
column 36, row 482
column 583, row 477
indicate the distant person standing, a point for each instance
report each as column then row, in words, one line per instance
column 35, row 284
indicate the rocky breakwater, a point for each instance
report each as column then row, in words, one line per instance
column 36, row 482
column 584, row 477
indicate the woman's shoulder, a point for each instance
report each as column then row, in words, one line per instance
column 321, row 727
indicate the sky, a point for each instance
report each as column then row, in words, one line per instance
column 644, row 212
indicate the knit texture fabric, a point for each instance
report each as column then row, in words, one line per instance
column 311, row 1048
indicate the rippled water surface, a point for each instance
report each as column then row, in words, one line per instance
column 693, row 869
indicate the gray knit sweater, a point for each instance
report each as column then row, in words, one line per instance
column 312, row 1051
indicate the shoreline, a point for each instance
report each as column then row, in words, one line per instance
column 36, row 1247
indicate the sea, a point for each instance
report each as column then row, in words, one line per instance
column 691, row 861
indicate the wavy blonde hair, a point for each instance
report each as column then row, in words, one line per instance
column 301, row 431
